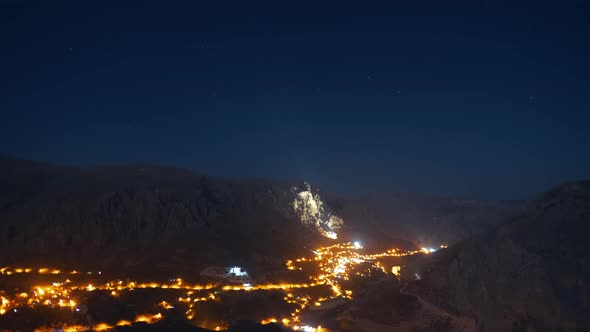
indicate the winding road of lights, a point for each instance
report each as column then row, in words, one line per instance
column 335, row 263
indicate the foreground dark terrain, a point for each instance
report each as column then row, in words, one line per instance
column 532, row 273
column 123, row 248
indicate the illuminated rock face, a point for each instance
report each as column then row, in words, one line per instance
column 309, row 208
column 134, row 214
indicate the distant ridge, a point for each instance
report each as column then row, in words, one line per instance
column 530, row 274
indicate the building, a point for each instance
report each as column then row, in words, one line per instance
column 231, row 274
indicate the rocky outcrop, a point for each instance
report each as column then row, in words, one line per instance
column 310, row 209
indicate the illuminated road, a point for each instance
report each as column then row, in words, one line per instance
column 328, row 268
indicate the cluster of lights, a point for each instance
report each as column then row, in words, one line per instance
column 60, row 295
column 336, row 263
column 44, row 270
column 149, row 319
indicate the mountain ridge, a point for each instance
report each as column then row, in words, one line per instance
column 51, row 211
column 530, row 273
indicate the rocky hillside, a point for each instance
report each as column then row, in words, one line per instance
column 145, row 214
column 530, row 274
column 161, row 217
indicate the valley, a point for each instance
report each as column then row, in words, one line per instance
column 328, row 278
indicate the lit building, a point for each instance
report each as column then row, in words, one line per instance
column 233, row 274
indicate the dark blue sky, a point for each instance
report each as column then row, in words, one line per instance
column 481, row 99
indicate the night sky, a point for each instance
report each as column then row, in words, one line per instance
column 477, row 99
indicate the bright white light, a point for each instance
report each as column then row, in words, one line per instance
column 237, row 271
column 307, row 328
column 332, row 235
column 247, row 285
column 428, row 250
column 357, row 244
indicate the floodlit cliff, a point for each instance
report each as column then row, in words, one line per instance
column 311, row 210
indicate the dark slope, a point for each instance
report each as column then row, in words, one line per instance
column 531, row 274
column 145, row 214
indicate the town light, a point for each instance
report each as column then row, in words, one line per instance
column 335, row 263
